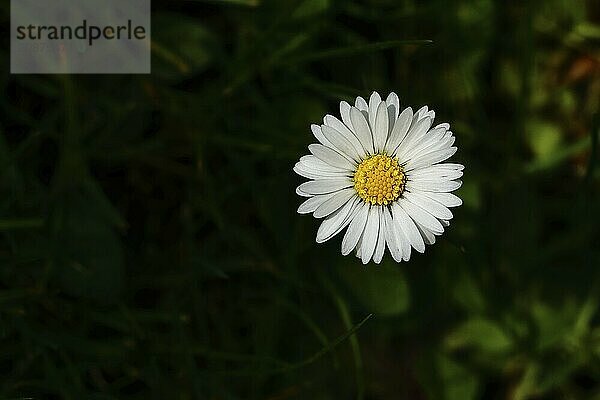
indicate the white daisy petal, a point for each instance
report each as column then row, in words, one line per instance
column 452, row 166
column 421, row 113
column 361, row 129
column 430, row 159
column 340, row 143
column 312, row 203
column 408, row 227
column 418, row 152
column 433, row 186
column 374, row 102
column 307, row 174
column 428, row 236
column 333, row 224
column 402, row 240
column 431, row 114
column 415, row 133
column 380, row 132
column 355, row 229
column 318, row 134
column 447, row 199
column 331, row 156
column 324, row 186
column 345, row 113
column 438, row 171
column 335, row 202
column 301, row 193
column 393, row 106
column 391, row 238
column 439, row 175
column 358, row 248
column 310, row 166
column 380, row 247
column 369, row 237
column 346, row 132
column 434, row 140
column 311, row 173
column 361, row 104
column 302, row 170
column 399, row 130
column 313, row 163
column 421, row 216
column 433, row 207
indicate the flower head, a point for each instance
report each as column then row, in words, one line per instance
column 379, row 172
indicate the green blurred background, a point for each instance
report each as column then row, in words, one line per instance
column 149, row 241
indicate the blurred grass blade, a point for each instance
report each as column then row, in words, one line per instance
column 308, row 321
column 595, row 132
column 249, row 3
column 558, row 157
column 15, row 224
column 330, row 346
column 356, row 356
column 167, row 55
column 353, row 50
column 315, row 357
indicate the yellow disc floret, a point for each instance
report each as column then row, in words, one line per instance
column 379, row 179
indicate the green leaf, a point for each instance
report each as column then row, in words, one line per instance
column 559, row 156
column 544, row 139
column 564, row 327
column 458, row 382
column 482, row 334
column 381, row 289
column 309, row 8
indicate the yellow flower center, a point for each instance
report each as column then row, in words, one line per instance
column 379, row 179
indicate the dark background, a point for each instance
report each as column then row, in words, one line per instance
column 149, row 241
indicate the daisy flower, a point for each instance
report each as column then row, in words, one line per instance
column 378, row 171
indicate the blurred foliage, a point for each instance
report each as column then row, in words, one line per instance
column 150, row 247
